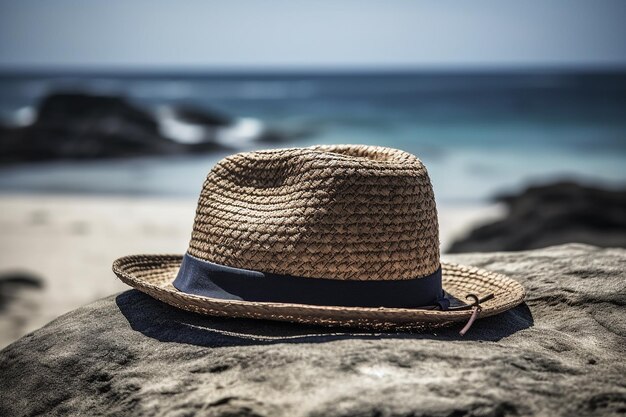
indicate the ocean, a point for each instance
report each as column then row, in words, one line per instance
column 479, row 134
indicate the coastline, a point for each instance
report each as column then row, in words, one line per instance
column 66, row 243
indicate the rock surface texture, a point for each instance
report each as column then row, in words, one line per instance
column 561, row 354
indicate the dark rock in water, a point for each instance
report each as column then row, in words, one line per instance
column 550, row 215
column 560, row 354
column 203, row 117
column 61, row 110
column 82, row 126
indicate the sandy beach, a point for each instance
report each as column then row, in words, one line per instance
column 66, row 244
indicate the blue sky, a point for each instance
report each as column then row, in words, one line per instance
column 201, row 34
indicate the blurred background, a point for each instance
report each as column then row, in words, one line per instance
column 112, row 113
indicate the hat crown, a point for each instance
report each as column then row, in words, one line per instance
column 346, row 212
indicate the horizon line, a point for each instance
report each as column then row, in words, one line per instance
column 89, row 70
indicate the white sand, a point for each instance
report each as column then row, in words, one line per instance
column 70, row 242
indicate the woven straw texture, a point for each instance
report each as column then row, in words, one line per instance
column 340, row 212
column 153, row 274
column 335, row 212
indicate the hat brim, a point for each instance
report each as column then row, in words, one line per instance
column 154, row 274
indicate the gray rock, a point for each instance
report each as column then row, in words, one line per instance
column 20, row 299
column 562, row 353
column 77, row 126
column 552, row 214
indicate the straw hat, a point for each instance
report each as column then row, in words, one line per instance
column 340, row 235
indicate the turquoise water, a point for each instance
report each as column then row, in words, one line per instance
column 478, row 134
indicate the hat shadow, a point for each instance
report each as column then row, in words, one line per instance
column 165, row 323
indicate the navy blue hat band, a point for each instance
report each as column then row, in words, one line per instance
column 200, row 277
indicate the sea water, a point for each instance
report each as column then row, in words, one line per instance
column 479, row 134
